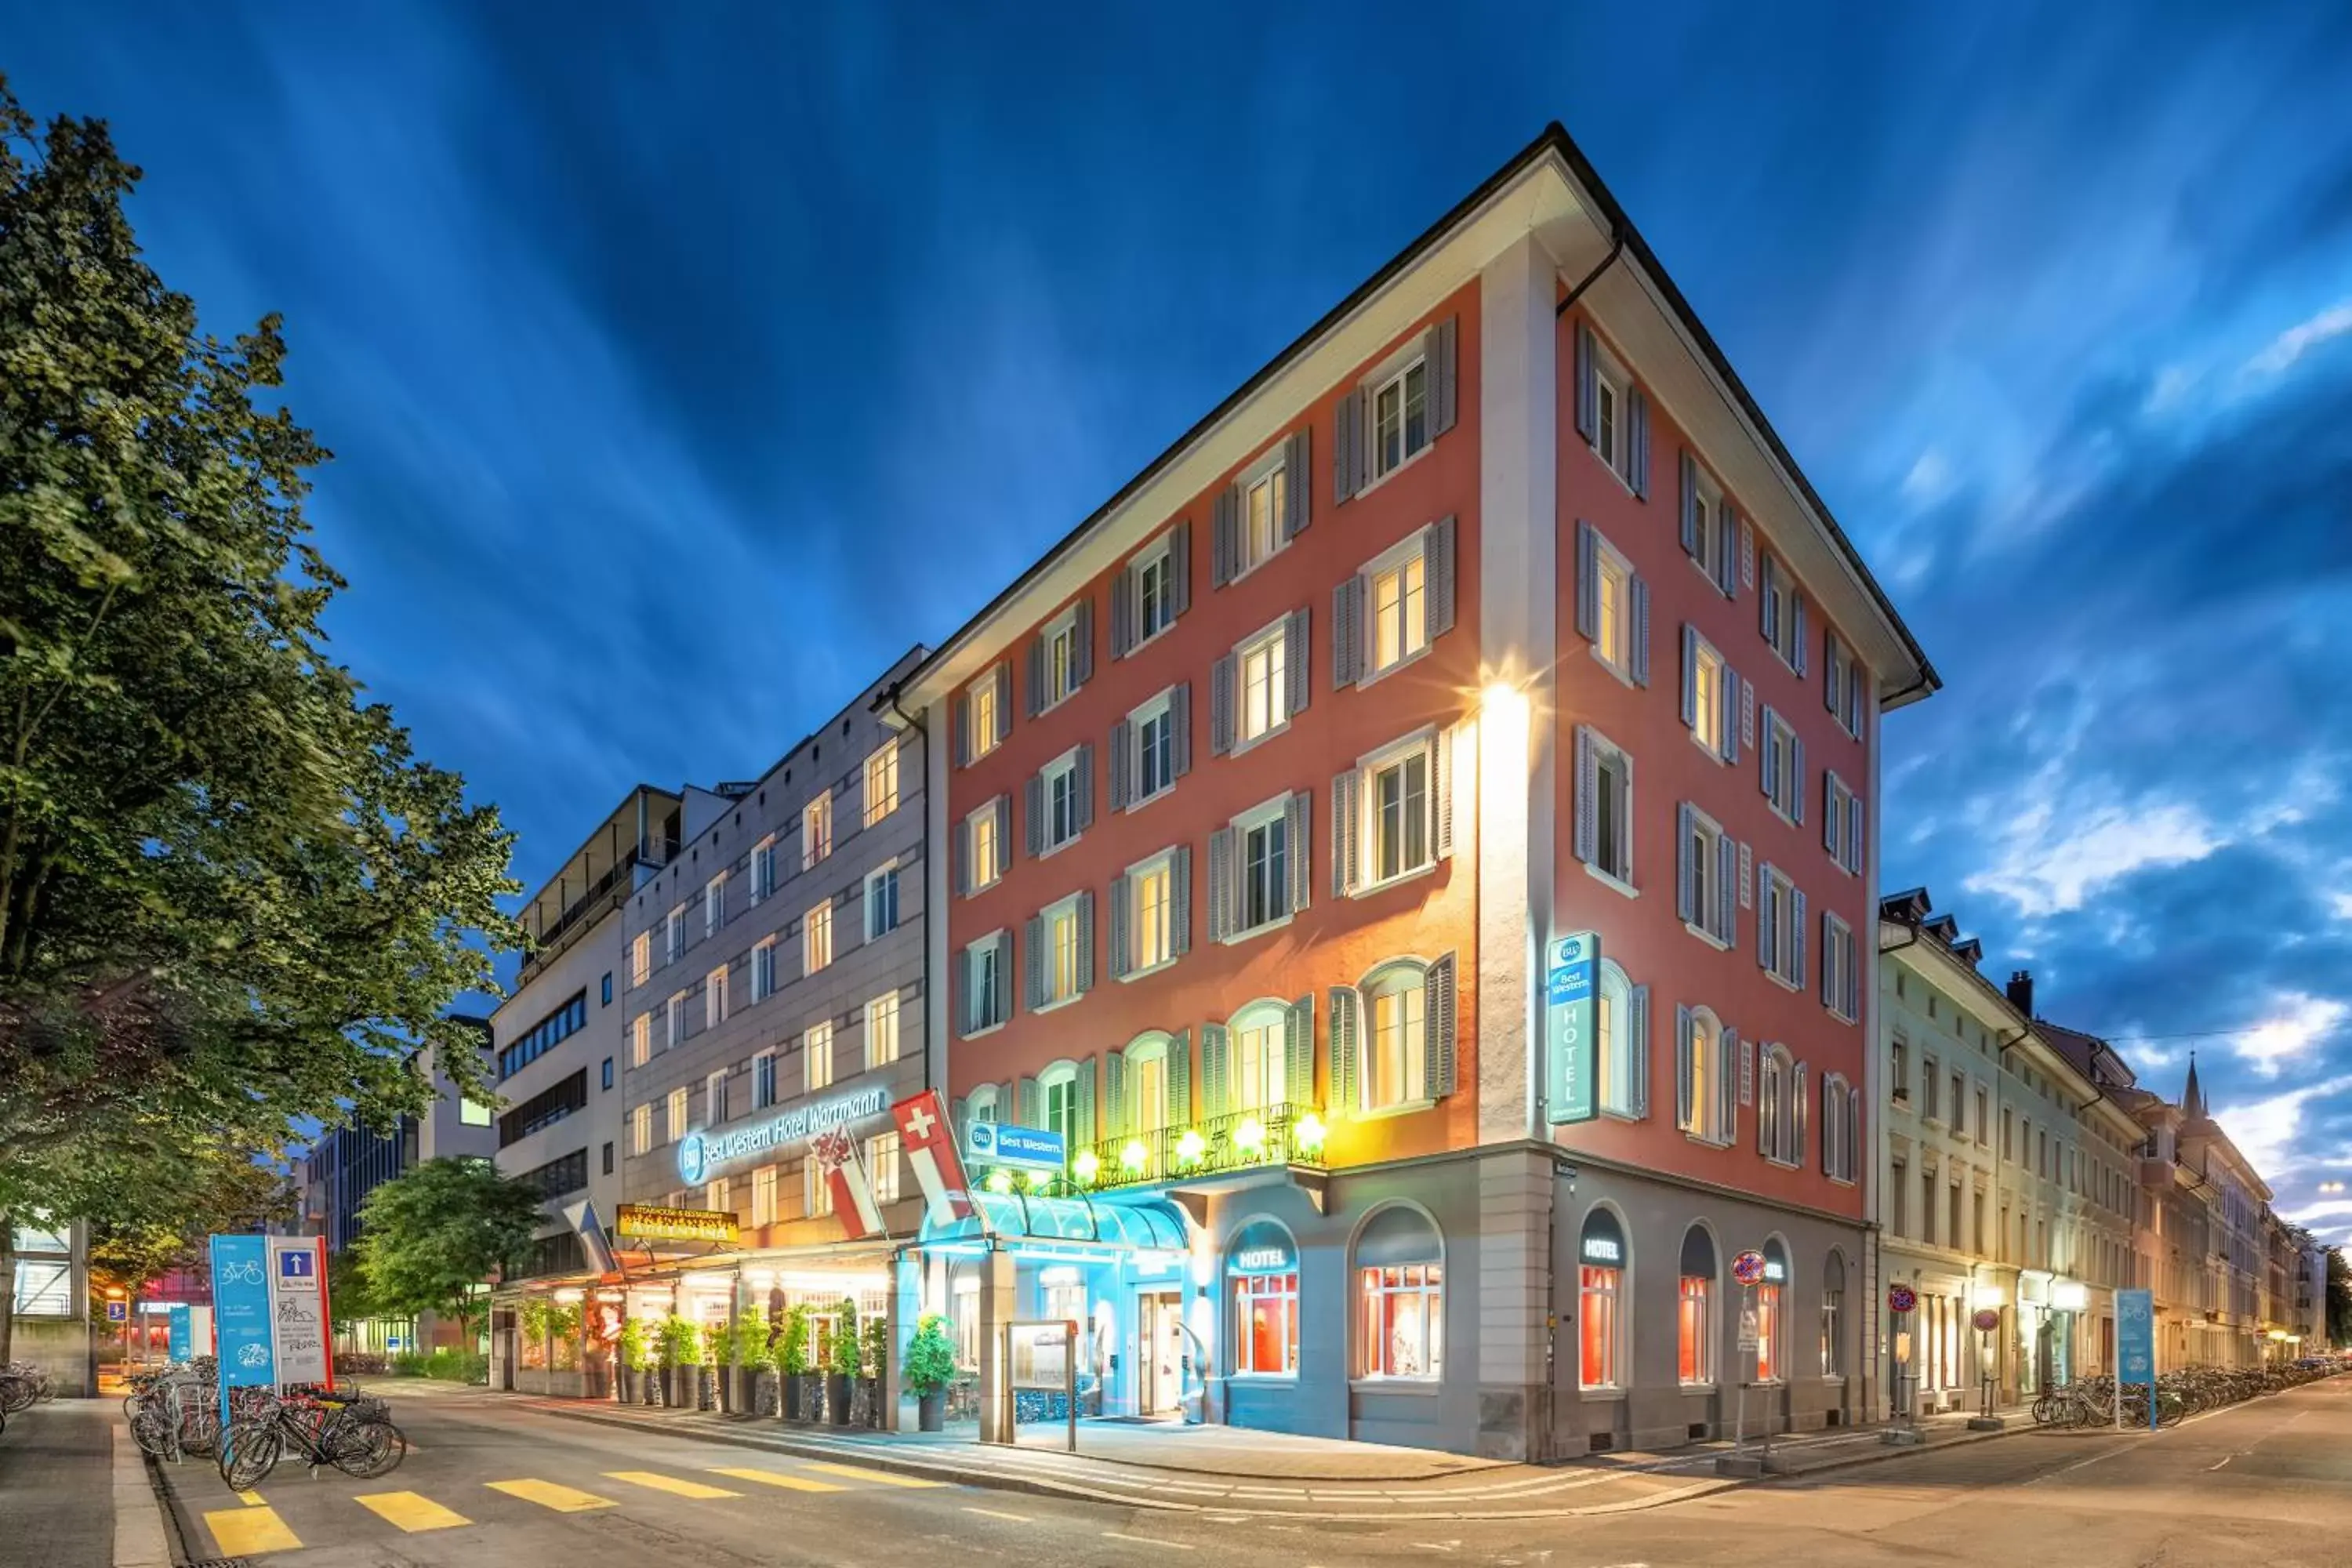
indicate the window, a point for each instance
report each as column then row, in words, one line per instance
column 1959, row 1106
column 1057, row 661
column 1265, row 502
column 1613, row 607
column 1148, row 1085
column 608, row 1073
column 1710, row 537
column 714, row 1194
column 1057, row 1091
column 678, row 1108
column 677, row 1021
column 1060, row 936
column 1779, row 1107
column 1621, row 1015
column 882, row 1029
column 674, row 934
column 1707, row 1096
column 984, row 836
column 763, row 869
column 1840, row 824
column 1783, row 763
column 607, row 999
column 1155, row 592
column 1841, row 682
column 1601, row 1291
column 816, row 938
column 1400, row 614
column 714, row 997
column 882, row 1167
column 714, row 904
column 559, row 1025
column 1899, row 1074
column 1707, row 877
column 816, row 830
column 1931, row 1090
column 1400, row 418
column 763, row 1196
column 1264, row 682
column 763, row 1080
column 1265, row 870
column 641, row 957
column 984, row 715
column 881, row 902
column 1779, row 926
column 1604, row 808
column 816, row 1057
column 1834, row 1317
column 1260, row 1056
column 641, row 1129
column 1782, row 609
column 1400, row 1284
column 44, row 1289
column 1397, row 815
column 608, row 1158
column 1694, row 1311
column 1609, row 415
column 1712, row 699
column 817, row 1192
column 641, row 1039
column 1154, row 725
column 1396, row 1056
column 1151, row 896
column 1840, row 1129
column 881, row 782
column 714, row 1100
column 473, row 1114
column 763, row 970
column 1767, row 1331
column 1266, row 1323
column 985, row 1001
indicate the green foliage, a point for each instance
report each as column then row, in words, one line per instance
column 216, row 1190
column 349, row 1298
column 533, row 1320
column 2339, row 1298
column 563, row 1328
column 718, row 1345
column 874, row 1350
column 448, row 1366
column 681, row 1343
column 930, row 1356
column 841, row 1345
column 433, row 1234
column 793, row 1344
column 748, row 1344
column 231, row 897
column 635, row 1353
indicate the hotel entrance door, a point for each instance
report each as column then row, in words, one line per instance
column 1160, row 1334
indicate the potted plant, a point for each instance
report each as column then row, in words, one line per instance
column 793, row 1363
column 841, row 1355
column 532, row 1323
column 718, row 1367
column 930, row 1368
column 748, row 1354
column 681, row 1350
column 635, row 1354
column 875, row 1365
column 564, row 1374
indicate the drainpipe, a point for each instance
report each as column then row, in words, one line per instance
column 1616, row 248
column 891, row 697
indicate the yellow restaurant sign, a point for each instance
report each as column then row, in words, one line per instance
column 654, row 1224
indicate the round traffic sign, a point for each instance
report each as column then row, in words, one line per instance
column 1901, row 1298
column 1748, row 1268
column 1985, row 1319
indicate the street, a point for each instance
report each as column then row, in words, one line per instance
column 2269, row 1482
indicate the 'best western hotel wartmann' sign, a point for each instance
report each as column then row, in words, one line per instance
column 701, row 1154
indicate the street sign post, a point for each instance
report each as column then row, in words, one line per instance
column 117, row 1311
column 241, row 1314
column 297, row 1310
column 1571, row 993
column 2135, row 1348
column 1900, row 1300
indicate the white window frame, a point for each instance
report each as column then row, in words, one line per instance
column 1712, row 1086
column 1271, row 1020
column 1426, row 742
column 883, row 877
column 1057, row 658
column 1271, row 644
column 1407, row 556
column 816, row 829
column 1145, row 1114
column 1395, row 979
column 763, row 1079
column 818, row 1068
column 816, row 936
column 1715, row 540
column 674, row 1021
column 991, row 948
column 1050, row 921
column 882, row 1043
column 1272, row 811
column 1776, row 912
column 981, row 823
column 1613, row 1051
column 1840, row 977
column 679, row 1107
column 881, row 783
column 817, row 1192
column 1160, row 706
column 641, row 1129
column 763, row 970
column 764, row 869
column 1163, row 864
column 1397, row 374
column 1062, row 771
column 1157, row 558
column 1778, row 1131
column 1612, row 435
column 1271, row 477
column 764, row 1197
column 1777, row 595
column 641, row 958
column 714, row 904
column 674, row 933
column 714, row 997
column 1837, row 1128
column 1606, row 751
column 1613, row 644
column 641, row 1039
column 714, row 1099
column 1777, row 739
column 882, row 1166
column 1714, row 723
column 1062, row 1076
column 982, row 720
column 1707, row 882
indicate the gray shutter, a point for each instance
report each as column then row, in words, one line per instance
column 1587, row 786
column 1686, row 891
column 1730, row 578
column 1004, row 702
column 1690, row 504
column 1032, row 966
column 1344, row 857
column 1221, row 706
column 1797, row 778
column 1637, row 443
column 1348, row 632
column 1084, row 790
column 1830, row 812
column 1295, row 631
column 1298, row 1053
column 1117, row 1122
column 1768, row 604
column 1179, row 726
column 1122, row 613
column 1801, row 633
column 1739, row 715
column 1004, row 991
column 1216, row 1079
column 965, row 1022
column 1178, row 1082
column 1798, row 1153
column 1797, row 935
column 1682, row 1064
column 1085, row 1096
column 1004, row 826
column 1035, row 661
column 1297, row 830
column 1348, row 446
column 1440, row 354
column 1641, row 632
column 1025, row 1102
column 1180, row 572
column 1727, row 859
column 1346, row 1020
column 1854, row 835
column 1588, row 582
column 1441, row 793
column 1767, row 754
column 1830, row 992
column 1764, row 925
column 1225, row 537
column 1082, row 661
column 1437, row 1057
column 1223, row 920
column 1086, row 940
column 1033, row 803
column 1690, row 676
column 1298, row 482
column 1122, row 760
column 959, row 853
column 1121, row 958
column 1742, row 1091
column 962, row 726
column 1437, row 571
column 1831, row 673
column 1637, row 1040
column 1180, row 898
column 1587, row 397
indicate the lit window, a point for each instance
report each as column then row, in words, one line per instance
column 1265, row 1325
column 1620, row 1052
column 981, row 717
column 679, row 1103
column 1706, row 1094
column 1058, row 662
column 1397, row 815
column 1152, row 888
column 1711, row 697
column 816, row 1057
column 1260, row 1039
column 1694, row 1329
column 1400, row 418
column 1147, row 1086
column 1403, row 1323
column 473, row 1114
column 816, row 830
column 1613, row 629
column 1061, row 932
column 817, row 1192
column 986, row 860
column 816, row 938
column 763, row 1196
column 1396, row 1054
column 882, row 1167
column 1399, row 612
column 882, row 1029
column 641, row 957
column 641, row 1129
column 1768, row 1333
column 1263, row 504
column 881, row 782
column 1058, row 1092
column 1265, row 685
column 641, row 1039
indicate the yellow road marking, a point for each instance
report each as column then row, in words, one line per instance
column 250, row 1531
column 992, row 1513
column 250, row 1499
column 410, row 1511
column 859, row 1473
column 670, row 1484
column 546, row 1494
column 778, row 1479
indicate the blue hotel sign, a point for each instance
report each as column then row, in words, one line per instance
column 1571, row 1027
column 1022, row 1148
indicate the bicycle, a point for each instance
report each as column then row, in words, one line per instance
column 353, row 1434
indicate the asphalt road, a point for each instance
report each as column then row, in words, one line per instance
column 2266, row 1483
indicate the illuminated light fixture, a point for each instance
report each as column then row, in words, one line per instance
column 2069, row 1296
column 1250, row 1136
column 1085, row 1166
column 567, row 1297
column 1191, row 1146
column 1000, row 1181
column 1036, row 1179
column 759, row 1278
column 1309, row 1133
column 706, row 1281
column 1134, row 1154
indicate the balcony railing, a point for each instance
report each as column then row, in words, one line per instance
column 1282, row 1134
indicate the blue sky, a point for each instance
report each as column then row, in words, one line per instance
column 682, row 373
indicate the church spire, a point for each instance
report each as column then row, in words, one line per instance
column 2192, row 1099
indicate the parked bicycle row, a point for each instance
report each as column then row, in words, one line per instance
column 21, row 1384
column 175, row 1413
column 2179, row 1394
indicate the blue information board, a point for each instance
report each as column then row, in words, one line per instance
column 241, row 1314
column 1571, row 1032
column 183, row 1333
column 2136, row 1342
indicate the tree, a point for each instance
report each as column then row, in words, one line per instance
column 2339, row 1300
column 210, row 1189
column 349, row 1298
column 429, row 1237
column 230, row 897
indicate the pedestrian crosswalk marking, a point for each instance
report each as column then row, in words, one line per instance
column 411, row 1511
column 778, row 1479
column 671, row 1484
column 250, row 1531
column 250, row 1499
column 546, row 1494
column 859, row 1473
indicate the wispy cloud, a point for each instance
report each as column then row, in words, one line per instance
column 2298, row 339
column 2303, row 1022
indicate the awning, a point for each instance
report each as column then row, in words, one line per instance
column 1154, row 1225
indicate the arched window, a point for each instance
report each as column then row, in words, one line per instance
column 1602, row 1320
column 1140, row 1086
column 1695, row 1309
column 1622, row 1014
column 1840, row 1128
column 1771, row 1324
column 980, row 1105
column 1833, row 1315
column 1391, row 1037
column 1399, row 1269
column 1263, row 1271
column 1707, row 1093
column 1261, row 1053
column 1780, row 1107
column 1065, row 1103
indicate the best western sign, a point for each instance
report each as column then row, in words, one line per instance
column 701, row 1155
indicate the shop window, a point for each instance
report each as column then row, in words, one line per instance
column 1400, row 1283
column 1601, row 1290
column 1064, row 1292
column 1771, row 1365
column 1834, row 1317
column 1695, row 1309
column 1264, row 1269
column 963, row 1308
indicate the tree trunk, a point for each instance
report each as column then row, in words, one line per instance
column 7, row 1284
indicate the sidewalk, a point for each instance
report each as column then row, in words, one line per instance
column 1233, row 1472
column 55, row 1459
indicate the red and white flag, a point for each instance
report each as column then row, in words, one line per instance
column 928, row 1139
column 845, row 1178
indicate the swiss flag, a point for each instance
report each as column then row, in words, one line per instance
column 928, row 1139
